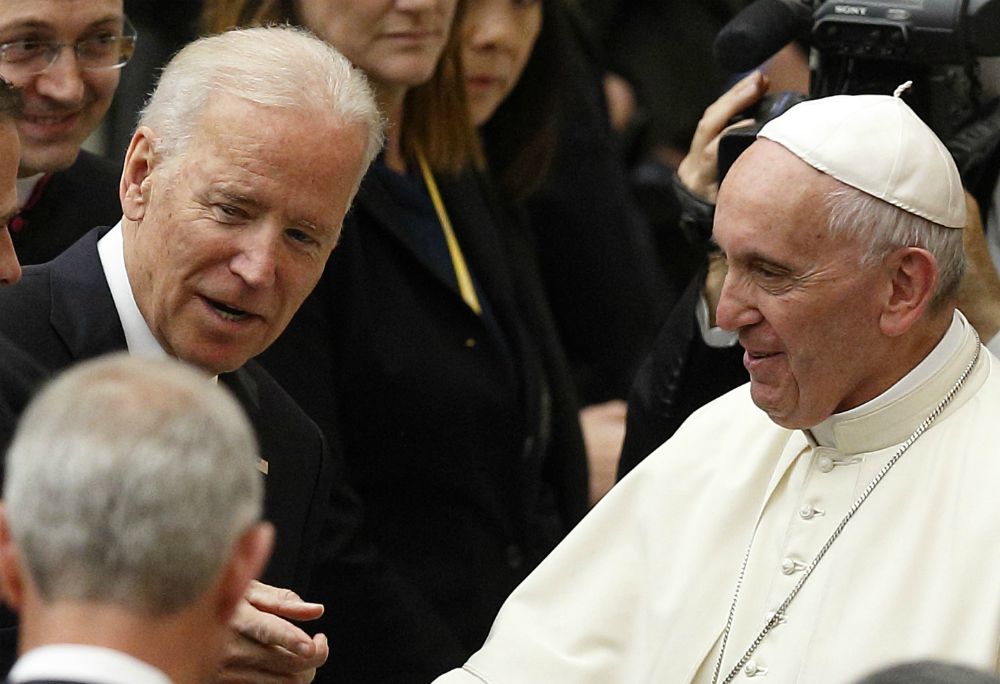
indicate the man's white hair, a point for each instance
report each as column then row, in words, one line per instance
column 128, row 482
column 282, row 67
column 880, row 227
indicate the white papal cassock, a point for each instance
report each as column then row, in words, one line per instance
column 641, row 589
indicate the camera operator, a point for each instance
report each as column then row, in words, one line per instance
column 693, row 361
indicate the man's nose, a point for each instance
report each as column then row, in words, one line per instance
column 256, row 258
column 63, row 80
column 736, row 309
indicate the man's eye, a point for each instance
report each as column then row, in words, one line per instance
column 228, row 213
column 299, row 236
column 98, row 46
column 24, row 50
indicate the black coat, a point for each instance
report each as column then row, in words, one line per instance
column 679, row 376
column 62, row 312
column 20, row 377
column 460, row 431
column 70, row 203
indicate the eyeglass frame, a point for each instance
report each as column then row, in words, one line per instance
column 127, row 40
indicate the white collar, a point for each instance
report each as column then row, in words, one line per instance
column 80, row 663
column 941, row 356
column 138, row 337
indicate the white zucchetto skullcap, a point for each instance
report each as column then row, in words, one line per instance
column 878, row 145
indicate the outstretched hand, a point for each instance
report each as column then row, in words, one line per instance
column 268, row 649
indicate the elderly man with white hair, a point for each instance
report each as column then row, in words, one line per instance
column 128, row 536
column 234, row 190
column 836, row 514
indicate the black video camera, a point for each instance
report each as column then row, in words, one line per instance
column 869, row 46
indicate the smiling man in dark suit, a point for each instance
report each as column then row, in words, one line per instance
column 233, row 193
column 63, row 191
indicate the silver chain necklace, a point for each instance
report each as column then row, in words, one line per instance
column 779, row 614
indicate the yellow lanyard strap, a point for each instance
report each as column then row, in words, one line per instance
column 465, row 286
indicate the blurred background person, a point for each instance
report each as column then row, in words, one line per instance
column 535, row 96
column 692, row 361
column 128, row 536
column 66, row 57
column 423, row 351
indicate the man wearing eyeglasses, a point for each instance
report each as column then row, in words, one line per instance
column 65, row 56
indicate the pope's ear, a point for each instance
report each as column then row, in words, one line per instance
column 140, row 159
column 914, row 275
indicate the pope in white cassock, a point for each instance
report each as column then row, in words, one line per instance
column 839, row 513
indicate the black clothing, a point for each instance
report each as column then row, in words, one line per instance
column 681, row 374
column 459, row 430
column 65, row 206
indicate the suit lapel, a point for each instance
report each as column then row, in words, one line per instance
column 247, row 392
column 241, row 384
column 82, row 310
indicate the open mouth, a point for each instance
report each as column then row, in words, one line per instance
column 226, row 312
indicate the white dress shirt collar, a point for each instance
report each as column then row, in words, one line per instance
column 138, row 336
column 79, row 663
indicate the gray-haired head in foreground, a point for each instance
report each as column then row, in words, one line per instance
column 128, row 481
column 274, row 66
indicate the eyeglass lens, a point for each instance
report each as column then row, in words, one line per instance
column 30, row 57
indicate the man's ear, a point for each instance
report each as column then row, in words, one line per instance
column 914, row 275
column 140, row 159
column 11, row 580
column 246, row 562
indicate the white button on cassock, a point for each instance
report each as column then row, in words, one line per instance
column 824, row 463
